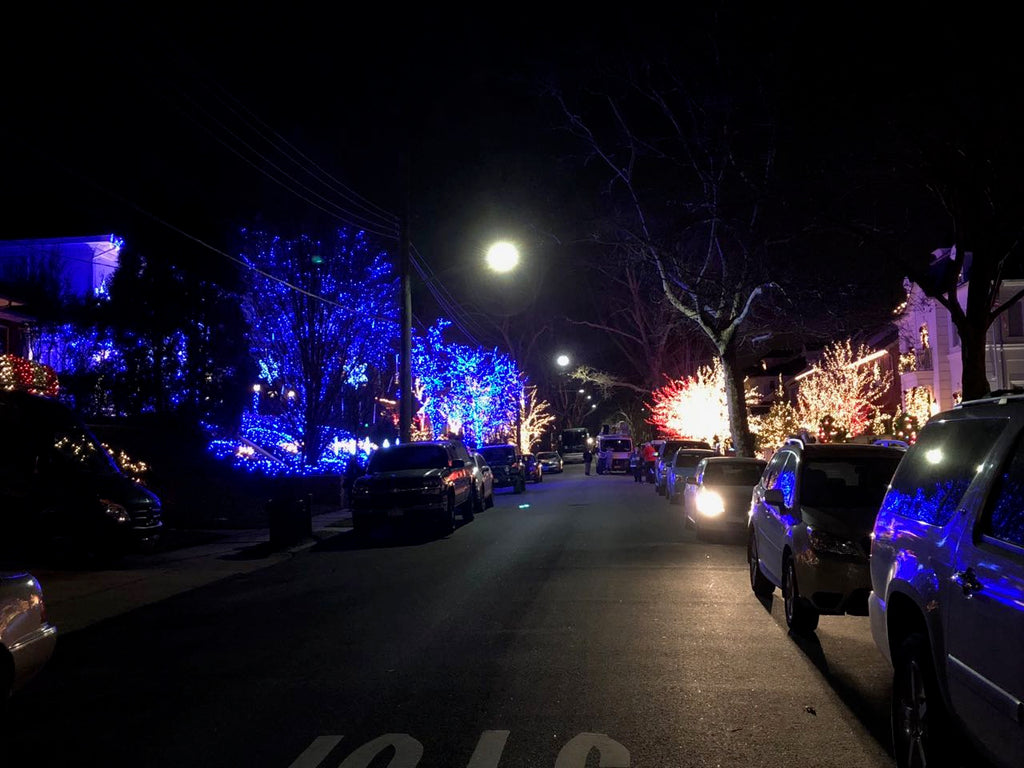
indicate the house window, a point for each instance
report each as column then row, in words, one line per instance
column 1015, row 321
column 924, row 336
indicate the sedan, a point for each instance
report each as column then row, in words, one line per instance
column 27, row 639
column 550, row 461
column 717, row 495
column 483, row 479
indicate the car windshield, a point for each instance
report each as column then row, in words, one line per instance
column 847, row 483
column 549, row 456
column 408, row 457
column 499, row 454
column 688, row 460
column 616, row 445
column 730, row 473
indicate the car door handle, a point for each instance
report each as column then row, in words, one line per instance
column 968, row 582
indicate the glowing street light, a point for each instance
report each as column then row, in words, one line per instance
column 502, row 257
column 562, row 360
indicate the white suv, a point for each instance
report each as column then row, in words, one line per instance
column 947, row 581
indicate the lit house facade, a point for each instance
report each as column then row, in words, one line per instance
column 930, row 356
column 72, row 267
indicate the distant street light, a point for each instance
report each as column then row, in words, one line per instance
column 562, row 360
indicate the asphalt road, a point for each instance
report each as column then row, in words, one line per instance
column 579, row 618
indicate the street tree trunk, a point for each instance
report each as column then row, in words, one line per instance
column 735, row 392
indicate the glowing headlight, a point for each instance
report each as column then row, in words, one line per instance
column 116, row 512
column 826, row 542
column 709, row 503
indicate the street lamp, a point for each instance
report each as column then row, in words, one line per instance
column 562, row 360
column 503, row 256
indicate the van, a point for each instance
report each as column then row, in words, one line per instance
column 60, row 489
column 613, row 453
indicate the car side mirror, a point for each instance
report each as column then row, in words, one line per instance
column 774, row 498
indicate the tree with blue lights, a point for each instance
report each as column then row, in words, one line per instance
column 470, row 392
column 323, row 317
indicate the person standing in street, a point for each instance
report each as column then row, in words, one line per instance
column 587, row 458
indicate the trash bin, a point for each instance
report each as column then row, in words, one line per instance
column 291, row 519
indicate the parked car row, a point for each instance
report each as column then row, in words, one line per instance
column 928, row 542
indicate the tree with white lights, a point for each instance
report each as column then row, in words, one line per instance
column 845, row 385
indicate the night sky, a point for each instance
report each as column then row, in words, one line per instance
column 166, row 125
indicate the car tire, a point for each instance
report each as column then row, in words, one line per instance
column 759, row 583
column 801, row 617
column 468, row 510
column 922, row 732
column 479, row 504
column 489, row 501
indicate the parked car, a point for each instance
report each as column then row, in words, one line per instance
column 680, row 466
column 484, row 484
column 716, row 499
column 61, row 491
column 811, row 516
column 27, row 639
column 947, row 588
column 422, row 481
column 508, row 466
column 534, row 469
column 666, row 451
column 551, row 462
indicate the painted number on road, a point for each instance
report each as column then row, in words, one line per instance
column 408, row 751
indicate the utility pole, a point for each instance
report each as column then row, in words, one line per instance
column 405, row 364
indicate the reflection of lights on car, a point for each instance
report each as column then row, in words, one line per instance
column 933, row 456
column 256, row 387
column 709, row 503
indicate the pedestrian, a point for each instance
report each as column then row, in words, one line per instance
column 650, row 455
column 636, row 464
column 587, row 458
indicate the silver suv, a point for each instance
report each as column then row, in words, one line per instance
column 947, row 581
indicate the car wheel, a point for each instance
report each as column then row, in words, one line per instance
column 921, row 728
column 489, row 501
column 759, row 583
column 469, row 509
column 479, row 504
column 801, row 616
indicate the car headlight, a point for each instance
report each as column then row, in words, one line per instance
column 116, row 512
column 432, row 485
column 822, row 541
column 709, row 503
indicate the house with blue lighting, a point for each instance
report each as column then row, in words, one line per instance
column 69, row 267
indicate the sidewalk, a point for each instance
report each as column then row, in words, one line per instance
column 187, row 559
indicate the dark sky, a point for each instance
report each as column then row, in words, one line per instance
column 177, row 124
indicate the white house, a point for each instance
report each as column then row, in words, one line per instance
column 930, row 362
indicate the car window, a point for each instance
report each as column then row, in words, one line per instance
column 616, row 445
column 785, row 480
column 848, row 483
column 730, row 473
column 408, row 457
column 771, row 472
column 938, row 468
column 498, row 454
column 1005, row 517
